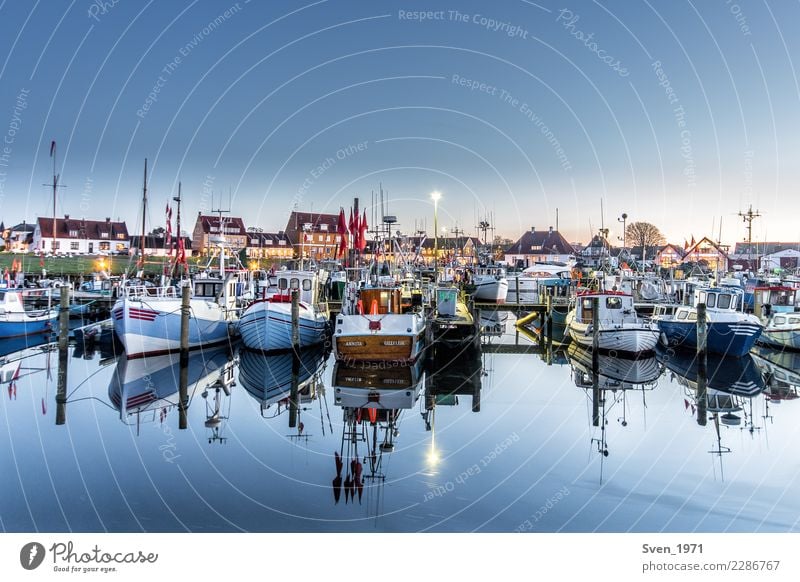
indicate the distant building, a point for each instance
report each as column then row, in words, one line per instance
column 269, row 245
column 208, row 227
column 597, row 253
column 460, row 249
column 544, row 246
column 787, row 259
column 80, row 236
column 756, row 249
column 154, row 246
column 313, row 234
column 18, row 238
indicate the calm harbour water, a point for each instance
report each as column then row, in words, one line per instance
column 515, row 449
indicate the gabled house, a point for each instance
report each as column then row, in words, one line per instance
column 208, row 227
column 597, row 253
column 669, row 255
column 707, row 253
column 544, row 246
column 18, row 238
column 155, row 245
column 80, row 236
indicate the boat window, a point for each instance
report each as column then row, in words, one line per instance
column 702, row 297
column 682, row 315
column 283, row 284
column 587, row 303
column 794, row 320
column 692, row 316
column 2, row 296
column 724, row 302
column 780, row 320
column 613, row 303
column 294, row 283
column 711, row 300
column 306, row 284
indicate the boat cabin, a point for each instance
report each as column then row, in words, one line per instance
column 767, row 300
column 719, row 299
column 282, row 283
column 380, row 300
column 613, row 306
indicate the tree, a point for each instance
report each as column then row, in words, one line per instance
column 643, row 234
column 159, row 232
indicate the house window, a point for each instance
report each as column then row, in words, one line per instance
column 120, row 247
column 73, row 233
column 323, row 227
column 103, row 235
column 253, row 241
column 268, row 241
column 121, row 236
column 328, row 238
column 105, row 246
column 282, row 242
column 74, row 246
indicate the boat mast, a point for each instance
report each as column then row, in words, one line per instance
column 55, row 185
column 144, row 217
column 178, row 230
column 748, row 217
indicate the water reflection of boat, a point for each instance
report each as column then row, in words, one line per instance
column 152, row 383
column 613, row 373
column 781, row 372
column 386, row 387
column 493, row 322
column 735, row 375
column 453, row 375
column 268, row 378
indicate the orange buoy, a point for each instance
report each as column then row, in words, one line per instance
column 360, row 307
column 373, row 308
column 373, row 415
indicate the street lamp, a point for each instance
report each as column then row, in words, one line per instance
column 623, row 219
column 435, row 195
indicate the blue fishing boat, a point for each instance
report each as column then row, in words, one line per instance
column 18, row 317
column 729, row 331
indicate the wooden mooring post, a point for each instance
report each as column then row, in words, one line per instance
column 702, row 364
column 595, row 362
column 63, row 356
column 293, row 394
column 183, row 383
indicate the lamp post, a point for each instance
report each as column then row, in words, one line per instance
column 435, row 195
column 623, row 220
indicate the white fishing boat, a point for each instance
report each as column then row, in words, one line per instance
column 491, row 284
column 775, row 305
column 620, row 328
column 266, row 324
column 375, row 326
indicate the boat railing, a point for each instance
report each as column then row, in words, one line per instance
column 144, row 292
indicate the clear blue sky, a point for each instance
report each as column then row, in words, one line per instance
column 677, row 113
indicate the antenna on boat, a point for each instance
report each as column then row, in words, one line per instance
column 144, row 217
column 749, row 217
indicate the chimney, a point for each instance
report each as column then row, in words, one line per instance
column 533, row 230
column 66, row 217
column 108, row 220
column 551, row 230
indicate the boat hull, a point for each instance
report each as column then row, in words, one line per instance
column 631, row 338
column 18, row 327
column 786, row 338
column 395, row 337
column 149, row 328
column 731, row 338
column 490, row 289
column 267, row 326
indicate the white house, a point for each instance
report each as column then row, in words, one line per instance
column 787, row 259
column 80, row 236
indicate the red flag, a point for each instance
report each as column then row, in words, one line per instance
column 168, row 242
column 362, row 232
column 692, row 243
column 351, row 223
column 41, row 261
column 341, row 229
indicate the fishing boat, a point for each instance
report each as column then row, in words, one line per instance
column 775, row 305
column 368, row 387
column 152, row 384
column 18, row 315
column 729, row 330
column 452, row 324
column 490, row 284
column 781, row 372
column 529, row 286
column 266, row 324
column 375, row 326
column 620, row 328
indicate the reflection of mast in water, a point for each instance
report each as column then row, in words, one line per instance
column 717, row 388
column 373, row 399
column 214, row 416
column 606, row 381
